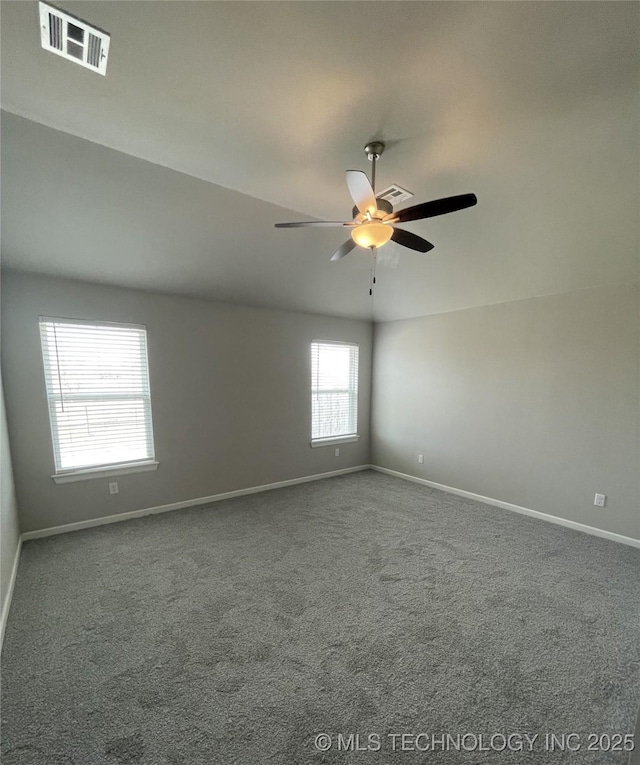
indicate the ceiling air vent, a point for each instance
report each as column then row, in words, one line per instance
column 73, row 39
column 395, row 195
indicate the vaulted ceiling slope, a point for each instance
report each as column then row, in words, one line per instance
column 249, row 112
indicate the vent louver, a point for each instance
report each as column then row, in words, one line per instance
column 73, row 39
column 395, row 195
column 55, row 32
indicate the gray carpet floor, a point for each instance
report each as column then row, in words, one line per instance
column 238, row 632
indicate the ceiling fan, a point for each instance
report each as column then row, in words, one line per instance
column 373, row 222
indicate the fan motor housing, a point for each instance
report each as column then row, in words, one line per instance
column 381, row 204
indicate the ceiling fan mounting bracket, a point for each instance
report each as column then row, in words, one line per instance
column 374, row 150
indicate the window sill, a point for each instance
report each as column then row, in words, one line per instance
column 334, row 440
column 104, row 472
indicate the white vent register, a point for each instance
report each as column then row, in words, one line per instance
column 394, row 194
column 73, row 39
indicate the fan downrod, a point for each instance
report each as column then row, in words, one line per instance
column 374, row 150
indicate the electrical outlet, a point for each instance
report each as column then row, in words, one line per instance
column 113, row 487
column 337, row 452
column 421, row 459
column 600, row 500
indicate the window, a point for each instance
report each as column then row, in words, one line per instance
column 97, row 382
column 334, row 391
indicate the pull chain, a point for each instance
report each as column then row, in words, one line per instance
column 372, row 276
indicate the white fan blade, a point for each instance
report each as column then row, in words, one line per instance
column 361, row 191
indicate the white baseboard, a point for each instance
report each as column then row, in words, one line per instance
column 515, row 508
column 7, row 599
column 186, row 503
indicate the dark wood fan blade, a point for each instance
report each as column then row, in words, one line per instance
column 433, row 208
column 316, row 223
column 413, row 242
column 345, row 249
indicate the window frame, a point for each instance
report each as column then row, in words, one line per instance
column 347, row 437
column 68, row 475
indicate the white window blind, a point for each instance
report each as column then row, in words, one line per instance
column 334, row 389
column 97, row 381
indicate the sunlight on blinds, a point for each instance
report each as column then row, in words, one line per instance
column 334, row 389
column 97, row 382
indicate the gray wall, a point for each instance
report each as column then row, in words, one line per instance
column 9, row 529
column 230, row 397
column 534, row 402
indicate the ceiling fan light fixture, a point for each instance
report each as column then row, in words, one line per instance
column 371, row 234
column 374, row 217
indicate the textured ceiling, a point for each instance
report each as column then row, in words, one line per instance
column 535, row 107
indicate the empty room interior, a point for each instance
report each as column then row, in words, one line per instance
column 320, row 344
